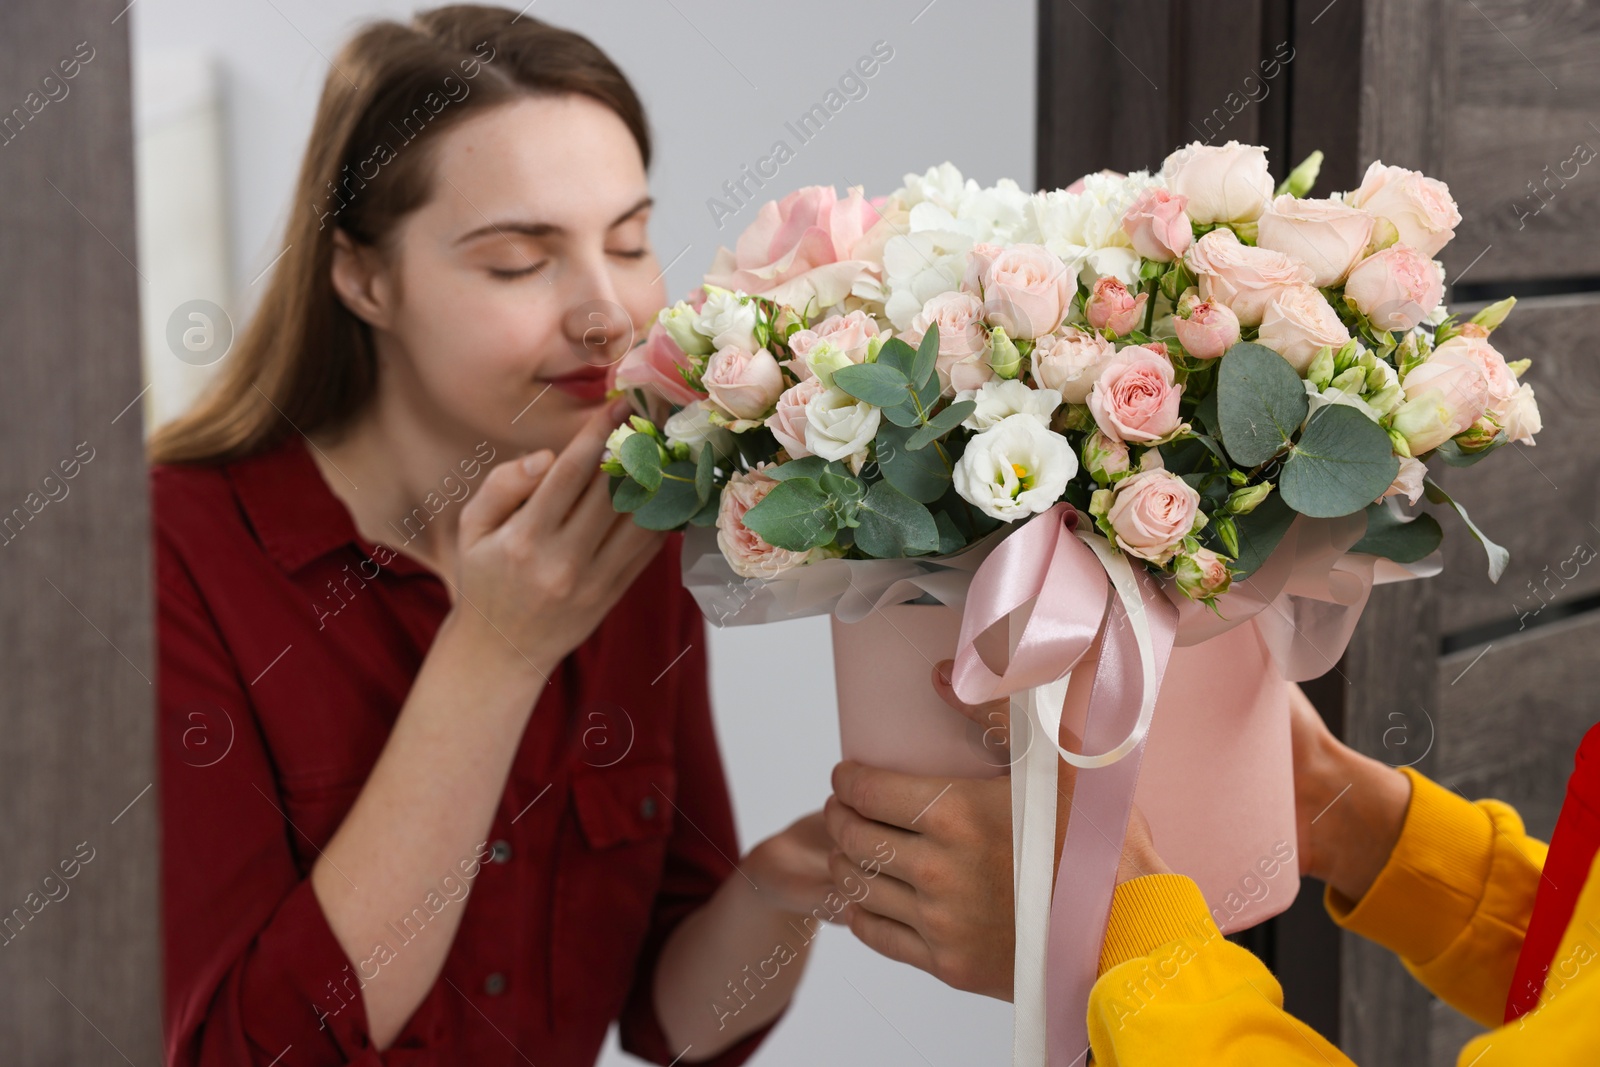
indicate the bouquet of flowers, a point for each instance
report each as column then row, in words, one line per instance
column 1191, row 357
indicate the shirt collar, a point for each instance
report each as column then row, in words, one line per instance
column 296, row 516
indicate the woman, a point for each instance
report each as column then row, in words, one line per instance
column 1470, row 903
column 407, row 648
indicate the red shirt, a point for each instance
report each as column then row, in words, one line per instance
column 287, row 645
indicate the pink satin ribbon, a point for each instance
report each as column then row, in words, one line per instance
column 1046, row 561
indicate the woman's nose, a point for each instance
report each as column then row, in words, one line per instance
column 599, row 328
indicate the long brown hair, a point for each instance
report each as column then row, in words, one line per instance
column 305, row 363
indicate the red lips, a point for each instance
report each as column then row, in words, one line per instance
column 588, row 383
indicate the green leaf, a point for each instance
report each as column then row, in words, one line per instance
column 703, row 471
column 1342, row 463
column 1452, row 454
column 1260, row 403
column 641, row 458
column 707, row 515
column 893, row 525
column 941, row 424
column 951, row 539
column 903, row 414
column 927, row 357
column 674, row 503
column 794, row 515
column 899, row 355
column 1498, row 556
column 804, row 467
column 1206, row 413
column 918, row 473
column 844, row 495
column 880, row 385
column 1393, row 536
column 1259, row 533
column 628, row 495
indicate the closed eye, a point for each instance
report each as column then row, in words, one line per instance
column 519, row 273
column 633, row 253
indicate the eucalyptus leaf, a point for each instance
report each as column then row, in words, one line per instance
column 1392, row 535
column 628, row 495
column 899, row 355
column 880, row 385
column 1498, row 556
column 893, row 525
column 1259, row 533
column 919, row 473
column 707, row 515
column 805, row 467
column 927, row 357
column 793, row 515
column 674, row 503
column 641, row 458
column 703, row 471
column 942, row 423
column 1452, row 454
column 951, row 539
column 1260, row 403
column 1342, row 463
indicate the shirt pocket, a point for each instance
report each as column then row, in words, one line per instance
column 607, row 876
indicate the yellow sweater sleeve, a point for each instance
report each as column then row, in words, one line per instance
column 1172, row 990
column 1454, row 899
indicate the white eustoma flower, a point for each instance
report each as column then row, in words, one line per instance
column 1085, row 228
column 838, row 426
column 727, row 321
column 1014, row 469
column 692, row 426
column 918, row 267
column 999, row 399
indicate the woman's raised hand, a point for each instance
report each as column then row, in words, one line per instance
column 543, row 555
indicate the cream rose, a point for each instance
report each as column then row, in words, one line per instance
column 1220, row 183
column 1135, row 398
column 1498, row 379
column 788, row 419
column 1395, row 288
column 1326, row 235
column 1026, row 291
column 963, row 361
column 742, row 547
column 852, row 333
column 1014, row 469
column 1407, row 483
column 1070, row 361
column 1421, row 208
column 1298, row 322
column 692, row 426
column 1444, row 396
column 1520, row 415
column 1242, row 276
column 744, row 384
column 1152, row 513
column 1157, row 223
column 838, row 426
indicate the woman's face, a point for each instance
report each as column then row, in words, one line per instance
column 524, row 277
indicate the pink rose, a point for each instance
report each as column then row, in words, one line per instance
column 1421, row 208
column 963, row 344
column 1325, row 235
column 1112, row 307
column 1395, row 288
column 1298, row 322
column 788, row 420
column 1026, row 291
column 1136, row 398
column 1408, row 482
column 979, row 256
column 1209, row 331
column 744, row 384
column 1500, row 383
column 809, row 247
column 1158, row 225
column 745, row 551
column 1069, row 362
column 1242, row 276
column 653, row 367
column 1202, row 574
column 1152, row 513
column 1221, row 183
column 1463, row 392
column 850, row 333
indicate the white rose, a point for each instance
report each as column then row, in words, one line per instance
column 692, row 426
column 1014, row 469
column 997, row 400
column 838, row 426
column 918, row 267
column 728, row 322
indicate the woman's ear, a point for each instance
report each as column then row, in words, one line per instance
column 360, row 277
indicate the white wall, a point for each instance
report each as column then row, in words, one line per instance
column 720, row 79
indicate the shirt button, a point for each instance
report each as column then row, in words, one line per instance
column 495, row 984
column 500, row 851
column 647, row 807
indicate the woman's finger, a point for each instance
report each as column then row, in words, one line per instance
column 882, row 894
column 863, row 841
column 573, row 470
column 507, row 488
column 888, row 938
column 887, row 796
column 989, row 715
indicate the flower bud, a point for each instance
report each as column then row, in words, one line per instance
column 680, row 321
column 1320, row 373
column 1003, row 354
column 1202, row 574
column 1244, row 501
column 1518, row 366
column 1479, row 436
column 1384, row 234
column 1303, row 177
column 1351, row 381
column 1493, row 315
column 1105, row 460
